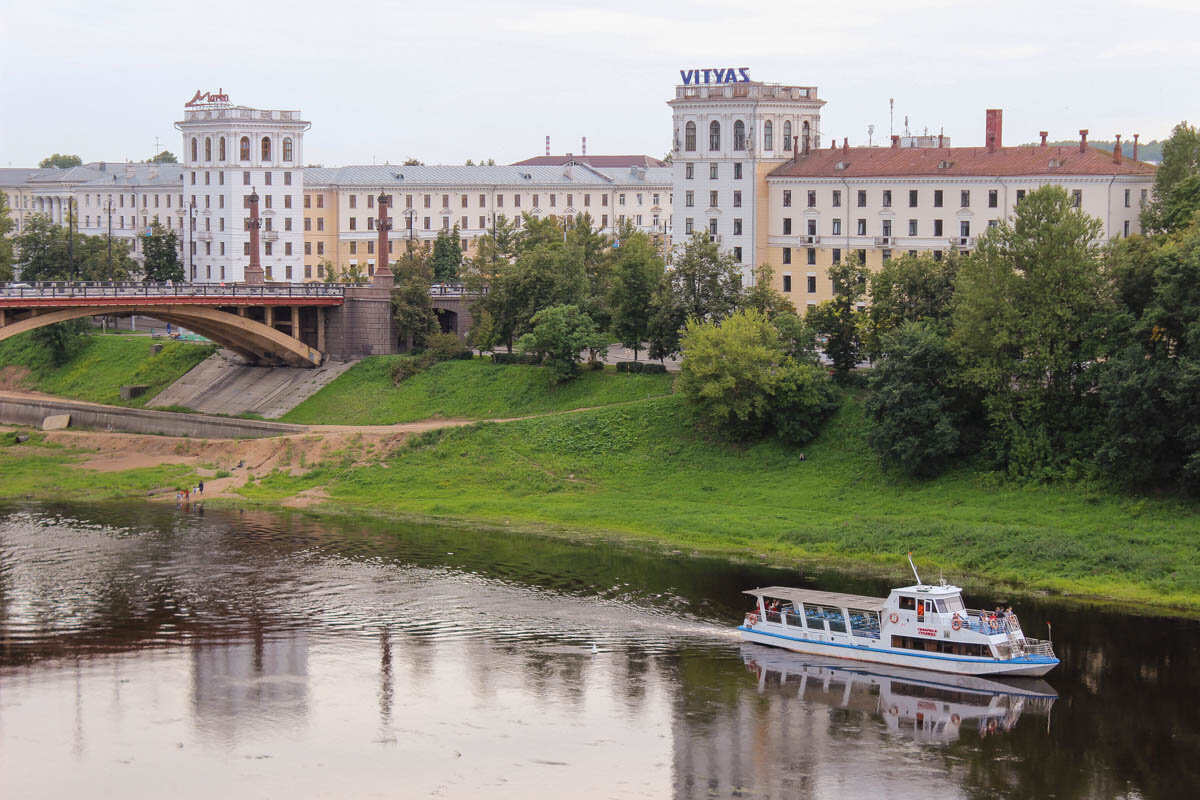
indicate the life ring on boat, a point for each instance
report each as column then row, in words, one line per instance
column 956, row 623
column 751, row 620
column 955, row 719
column 894, row 618
column 893, row 711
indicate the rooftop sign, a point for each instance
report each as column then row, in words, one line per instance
column 715, row 75
column 203, row 98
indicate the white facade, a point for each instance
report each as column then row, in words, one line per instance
column 229, row 152
column 727, row 137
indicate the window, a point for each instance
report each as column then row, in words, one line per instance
column 446, row 201
column 712, row 200
column 787, row 283
column 787, row 258
column 370, row 247
column 737, row 226
column 787, row 135
column 1142, row 201
column 499, row 201
column 462, row 201
column 712, row 226
column 354, row 248
column 812, row 227
column 837, row 227
column 964, row 228
column 837, row 198
column 712, row 171
column 1077, row 197
column 862, row 258
column 787, row 226
column 463, row 223
column 268, row 199
column 887, row 255
column 737, row 198
column 994, row 198
column 320, row 248
column 887, row 228
column 370, row 223
column 812, row 256
column 266, row 148
column 195, row 147
column 308, row 201
column 768, row 136
column 689, row 137
column 1127, row 229
column 482, row 222
column 937, row 198
column 937, row 227
column 246, row 178
column 812, row 198
column 912, row 227
column 320, row 223
column 308, row 248
column 1020, row 195
column 862, row 198
column 308, row 223
column 689, row 198
column 737, row 171
column 245, row 248
column 287, row 251
column 267, row 178
column 739, row 135
column 887, row 198
column 912, row 198
column 426, row 221
column 354, row 223
column 787, row 198
column 862, row 227
column 587, row 200
column 354, row 201
column 207, row 148
column 689, row 171
column 445, row 223
column 812, row 284
column 737, row 254
column 688, row 226
column 965, row 198
column 267, row 249
column 287, row 149
column 714, row 135
column 221, row 149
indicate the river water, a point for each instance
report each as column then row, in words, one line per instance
column 147, row 651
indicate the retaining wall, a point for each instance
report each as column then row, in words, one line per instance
column 31, row 411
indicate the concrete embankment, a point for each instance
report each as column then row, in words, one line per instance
column 31, row 410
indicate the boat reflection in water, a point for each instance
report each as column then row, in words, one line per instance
column 927, row 707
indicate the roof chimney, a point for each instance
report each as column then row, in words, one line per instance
column 895, row 140
column 846, row 146
column 1117, row 150
column 941, row 140
column 1044, row 134
column 584, row 146
column 1083, row 140
column 993, row 129
column 547, row 145
column 1135, row 146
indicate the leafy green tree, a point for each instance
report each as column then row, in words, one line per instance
column 42, row 254
column 838, row 320
column 548, row 275
column 706, row 283
column 491, row 162
column 764, row 297
column 412, row 307
column 910, row 289
column 804, row 397
column 637, row 272
column 560, row 334
column 61, row 161
column 1031, row 310
column 666, row 321
column 161, row 252
column 6, row 243
column 447, row 256
column 62, row 339
column 797, row 339
column 413, row 162
column 915, row 414
column 165, row 157
column 1180, row 161
column 597, row 253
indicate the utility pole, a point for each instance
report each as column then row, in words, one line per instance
column 110, row 269
column 71, row 235
column 192, row 243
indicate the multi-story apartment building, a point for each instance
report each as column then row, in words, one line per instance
column 340, row 212
column 881, row 202
column 727, row 138
column 229, row 152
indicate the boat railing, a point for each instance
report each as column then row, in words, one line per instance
column 987, row 622
column 1039, row 647
column 774, row 616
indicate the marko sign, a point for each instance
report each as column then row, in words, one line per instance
column 202, row 98
column 715, row 75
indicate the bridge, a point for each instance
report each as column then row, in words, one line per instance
column 298, row 324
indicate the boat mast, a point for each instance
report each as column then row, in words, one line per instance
column 914, row 569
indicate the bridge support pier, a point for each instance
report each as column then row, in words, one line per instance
column 321, row 329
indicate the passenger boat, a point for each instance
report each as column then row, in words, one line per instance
column 920, row 626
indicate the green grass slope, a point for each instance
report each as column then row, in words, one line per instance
column 643, row 469
column 102, row 366
column 476, row 389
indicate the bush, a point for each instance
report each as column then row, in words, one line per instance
column 595, row 366
column 804, row 399
column 623, row 366
column 654, row 369
column 444, row 347
column 636, row 366
column 516, row 358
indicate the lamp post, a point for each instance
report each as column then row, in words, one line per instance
column 71, row 235
column 192, row 245
column 110, row 269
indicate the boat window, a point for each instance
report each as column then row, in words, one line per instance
column 837, row 622
column 816, row 620
column 793, row 617
column 864, row 623
column 954, row 603
column 775, row 608
column 941, row 606
column 908, row 603
column 941, row 646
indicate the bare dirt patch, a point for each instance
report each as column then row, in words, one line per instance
column 13, row 377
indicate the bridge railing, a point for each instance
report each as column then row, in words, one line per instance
column 133, row 289
column 454, row 290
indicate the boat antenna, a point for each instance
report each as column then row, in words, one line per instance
column 914, row 569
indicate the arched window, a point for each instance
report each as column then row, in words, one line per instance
column 787, row 134
column 768, row 136
column 287, row 149
column 244, row 149
column 714, row 135
column 208, row 148
column 739, row 135
column 689, row 136
column 195, row 148
column 266, row 148
column 805, row 142
column 221, row 149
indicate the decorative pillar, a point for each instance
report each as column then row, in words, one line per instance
column 384, row 279
column 254, row 272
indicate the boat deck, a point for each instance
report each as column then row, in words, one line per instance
column 812, row 596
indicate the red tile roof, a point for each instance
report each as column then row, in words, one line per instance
column 599, row 162
column 871, row 162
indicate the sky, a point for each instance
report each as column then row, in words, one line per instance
column 447, row 81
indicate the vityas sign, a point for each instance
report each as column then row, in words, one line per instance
column 715, row 75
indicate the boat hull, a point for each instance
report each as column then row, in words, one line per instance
column 1027, row 666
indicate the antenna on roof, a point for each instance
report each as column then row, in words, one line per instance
column 891, row 115
column 914, row 569
column 870, row 134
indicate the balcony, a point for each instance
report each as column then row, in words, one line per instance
column 884, row 241
column 811, row 239
column 962, row 241
column 270, row 236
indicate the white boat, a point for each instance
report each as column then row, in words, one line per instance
column 920, row 626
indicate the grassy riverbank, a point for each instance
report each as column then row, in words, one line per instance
column 100, row 368
column 477, row 389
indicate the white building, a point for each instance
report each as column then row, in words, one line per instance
column 727, row 137
column 229, row 151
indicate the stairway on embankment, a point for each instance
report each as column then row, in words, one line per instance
column 224, row 384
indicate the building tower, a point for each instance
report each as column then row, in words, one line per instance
column 228, row 152
column 729, row 133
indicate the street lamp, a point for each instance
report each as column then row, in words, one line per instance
column 192, row 244
column 110, row 269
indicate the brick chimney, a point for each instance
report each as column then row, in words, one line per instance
column 1044, row 135
column 585, row 145
column 993, row 129
column 1135, row 146
column 1083, row 140
column 384, row 279
column 1117, row 150
column 254, row 272
column 895, row 141
column 941, row 141
column 547, row 145
column 846, row 146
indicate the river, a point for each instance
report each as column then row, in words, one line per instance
column 148, row 651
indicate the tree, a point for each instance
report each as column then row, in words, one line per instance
column 61, row 161
column 1031, row 309
column 1180, row 160
column 764, row 297
column 837, row 320
column 447, row 256
column 161, row 252
column 637, row 272
column 6, row 244
column 413, row 162
column 491, row 162
column 910, row 289
column 797, row 338
column 412, row 307
column 165, row 157
column 62, row 339
column 42, row 254
column 559, row 335
column 706, row 283
column 915, row 416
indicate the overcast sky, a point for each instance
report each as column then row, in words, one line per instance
column 447, row 81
